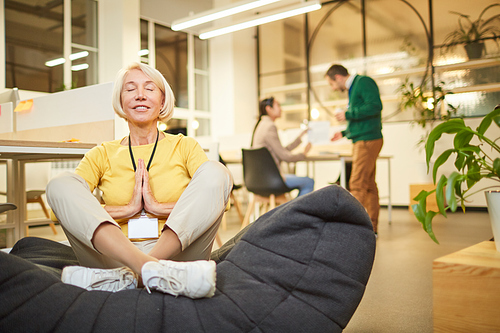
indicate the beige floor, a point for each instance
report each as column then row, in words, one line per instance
column 398, row 297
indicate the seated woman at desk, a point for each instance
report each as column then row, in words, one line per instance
column 265, row 134
column 163, row 200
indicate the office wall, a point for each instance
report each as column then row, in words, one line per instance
column 119, row 36
column 233, row 83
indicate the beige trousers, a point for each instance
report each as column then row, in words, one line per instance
column 195, row 218
column 362, row 182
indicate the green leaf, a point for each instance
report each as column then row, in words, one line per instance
column 423, row 194
column 424, row 217
column 420, row 208
column 474, row 172
column 470, row 149
column 439, row 161
column 496, row 166
column 449, row 127
column 419, row 212
column 440, row 194
column 462, row 139
column 428, row 225
column 486, row 122
column 497, row 120
column 450, row 191
column 460, row 161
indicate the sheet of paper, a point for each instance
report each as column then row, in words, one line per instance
column 143, row 227
column 318, row 132
column 24, row 106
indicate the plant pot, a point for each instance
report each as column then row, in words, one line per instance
column 493, row 201
column 474, row 50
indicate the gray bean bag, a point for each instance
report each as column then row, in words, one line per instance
column 302, row 267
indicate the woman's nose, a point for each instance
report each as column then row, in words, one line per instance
column 140, row 94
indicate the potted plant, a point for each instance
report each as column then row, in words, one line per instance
column 473, row 32
column 427, row 103
column 472, row 163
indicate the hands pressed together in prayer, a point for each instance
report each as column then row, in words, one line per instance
column 142, row 198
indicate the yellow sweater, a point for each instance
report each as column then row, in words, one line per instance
column 109, row 167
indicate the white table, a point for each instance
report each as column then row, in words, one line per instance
column 16, row 153
column 342, row 157
column 347, row 157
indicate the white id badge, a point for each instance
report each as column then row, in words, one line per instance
column 143, row 227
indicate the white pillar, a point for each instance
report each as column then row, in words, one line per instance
column 119, row 36
column 233, row 83
column 119, row 43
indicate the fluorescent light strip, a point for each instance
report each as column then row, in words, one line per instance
column 60, row 61
column 78, row 55
column 216, row 14
column 292, row 11
column 80, row 67
column 143, row 52
column 55, row 62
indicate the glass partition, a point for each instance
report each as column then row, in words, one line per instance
column 282, row 68
column 34, row 44
column 33, row 36
column 389, row 40
column 171, row 61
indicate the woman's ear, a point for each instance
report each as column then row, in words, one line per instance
column 268, row 108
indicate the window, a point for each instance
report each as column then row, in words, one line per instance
column 201, row 74
column 183, row 59
column 171, row 60
column 83, row 42
column 283, row 68
column 388, row 40
column 34, row 44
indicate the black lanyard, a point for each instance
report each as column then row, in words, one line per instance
column 152, row 154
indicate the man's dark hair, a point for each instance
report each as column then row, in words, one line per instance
column 336, row 69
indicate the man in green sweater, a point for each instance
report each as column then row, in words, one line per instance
column 364, row 128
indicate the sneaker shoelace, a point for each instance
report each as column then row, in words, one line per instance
column 170, row 279
column 106, row 279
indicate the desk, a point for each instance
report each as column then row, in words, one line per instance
column 16, row 154
column 347, row 157
column 233, row 157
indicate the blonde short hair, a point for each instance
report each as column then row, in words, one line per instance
column 168, row 106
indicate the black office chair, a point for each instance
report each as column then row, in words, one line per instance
column 263, row 179
column 7, row 206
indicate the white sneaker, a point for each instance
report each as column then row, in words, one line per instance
column 100, row 279
column 193, row 279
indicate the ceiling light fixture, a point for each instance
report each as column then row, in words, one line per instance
column 302, row 8
column 79, row 67
column 60, row 61
column 78, row 55
column 55, row 62
column 215, row 14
